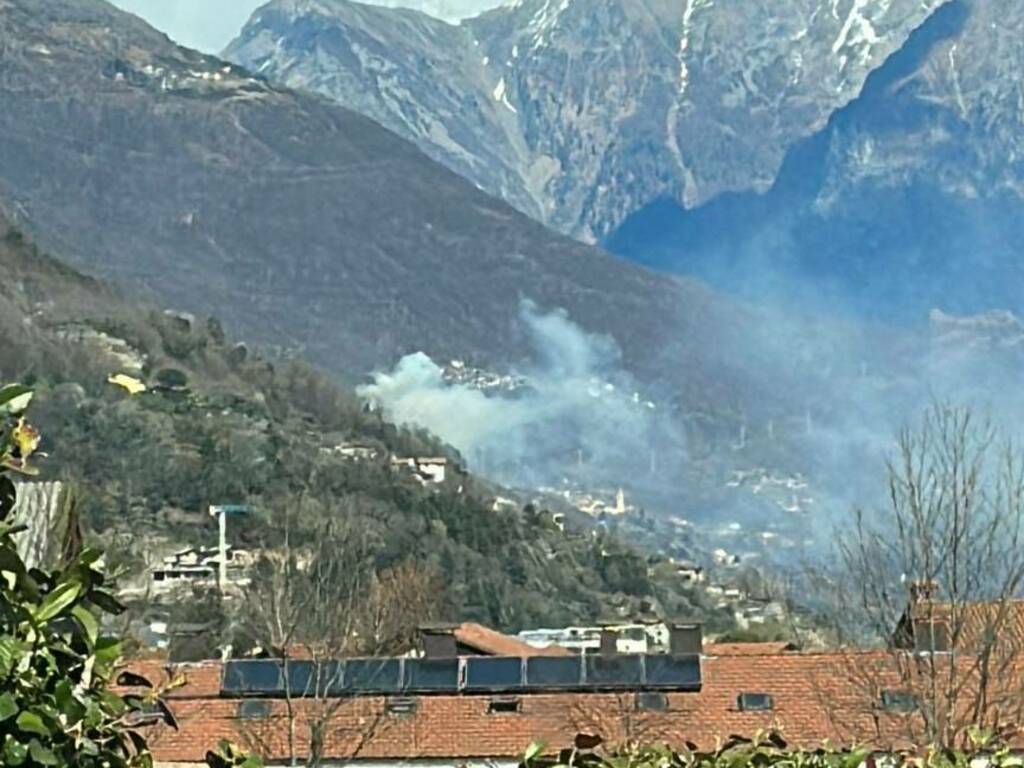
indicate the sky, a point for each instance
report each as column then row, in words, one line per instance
column 210, row 25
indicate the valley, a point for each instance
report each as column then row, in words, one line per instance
column 679, row 285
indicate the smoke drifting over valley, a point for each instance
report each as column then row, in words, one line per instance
column 569, row 412
column 772, row 475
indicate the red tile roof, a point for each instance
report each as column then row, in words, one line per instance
column 489, row 642
column 181, row 681
column 836, row 696
column 968, row 624
column 815, row 696
column 747, row 649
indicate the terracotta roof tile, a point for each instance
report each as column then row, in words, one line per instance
column 972, row 622
column 815, row 697
column 747, row 649
column 492, row 643
column 835, row 696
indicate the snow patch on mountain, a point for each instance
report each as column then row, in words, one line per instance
column 580, row 113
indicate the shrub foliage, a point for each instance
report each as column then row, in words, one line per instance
column 56, row 664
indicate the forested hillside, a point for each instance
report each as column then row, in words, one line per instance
column 218, row 424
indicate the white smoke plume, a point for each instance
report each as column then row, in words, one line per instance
column 579, row 414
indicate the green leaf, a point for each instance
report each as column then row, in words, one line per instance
column 114, row 704
column 10, row 653
column 534, row 751
column 42, row 755
column 30, row 722
column 15, row 753
column 129, row 679
column 89, row 556
column 8, row 497
column 106, row 656
column 89, row 624
column 14, row 398
column 8, row 706
column 57, row 602
column 106, row 602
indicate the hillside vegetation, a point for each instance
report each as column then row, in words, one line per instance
column 218, row 424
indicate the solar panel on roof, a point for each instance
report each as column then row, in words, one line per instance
column 679, row 672
column 309, row 679
column 373, row 676
column 553, row 672
column 493, row 674
column 253, row 677
column 432, row 675
column 479, row 675
column 614, row 671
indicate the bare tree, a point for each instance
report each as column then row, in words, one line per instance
column 620, row 722
column 398, row 602
column 318, row 602
column 935, row 577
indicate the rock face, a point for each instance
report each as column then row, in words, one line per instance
column 590, row 110
column 452, row 11
column 301, row 224
column 909, row 198
column 417, row 75
column 864, row 154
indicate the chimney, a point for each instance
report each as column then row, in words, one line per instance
column 439, row 641
column 609, row 642
column 685, row 639
column 923, row 591
column 931, row 636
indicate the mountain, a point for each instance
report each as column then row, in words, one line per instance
column 594, row 108
column 315, row 233
column 218, row 424
column 451, row 11
column 859, row 155
column 302, row 224
column 908, row 199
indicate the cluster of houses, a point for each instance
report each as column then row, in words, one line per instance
column 596, row 504
column 724, row 590
column 427, row 470
column 790, row 493
column 627, row 638
column 199, row 567
column 458, row 372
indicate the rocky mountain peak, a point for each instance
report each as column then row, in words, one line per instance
column 579, row 113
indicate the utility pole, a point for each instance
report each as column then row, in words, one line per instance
column 221, row 512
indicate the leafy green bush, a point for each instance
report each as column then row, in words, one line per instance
column 766, row 750
column 56, row 666
column 228, row 755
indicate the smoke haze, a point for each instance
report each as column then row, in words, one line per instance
column 578, row 414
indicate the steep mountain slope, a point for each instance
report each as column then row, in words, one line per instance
column 404, row 69
column 909, row 198
column 860, row 155
column 300, row 223
column 597, row 107
column 235, row 428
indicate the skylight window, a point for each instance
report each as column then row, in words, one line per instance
column 899, row 702
column 651, row 702
column 755, row 702
column 254, row 710
column 506, row 705
column 400, row 706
